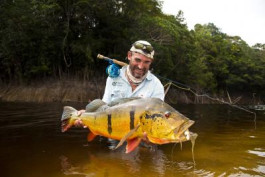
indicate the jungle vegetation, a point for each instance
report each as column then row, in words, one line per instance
column 43, row 39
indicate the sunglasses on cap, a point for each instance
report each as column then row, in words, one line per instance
column 144, row 47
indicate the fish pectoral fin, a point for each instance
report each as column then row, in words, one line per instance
column 127, row 136
column 132, row 144
column 91, row 136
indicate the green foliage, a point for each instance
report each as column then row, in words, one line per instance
column 230, row 60
column 52, row 38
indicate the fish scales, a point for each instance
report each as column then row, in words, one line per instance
column 112, row 123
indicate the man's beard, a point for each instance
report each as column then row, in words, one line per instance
column 131, row 76
column 135, row 69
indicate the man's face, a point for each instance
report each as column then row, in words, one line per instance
column 139, row 64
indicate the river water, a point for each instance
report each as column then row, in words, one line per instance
column 229, row 143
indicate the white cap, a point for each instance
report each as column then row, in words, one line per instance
column 143, row 51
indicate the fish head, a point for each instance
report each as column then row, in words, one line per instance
column 163, row 124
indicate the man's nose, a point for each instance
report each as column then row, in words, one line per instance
column 141, row 65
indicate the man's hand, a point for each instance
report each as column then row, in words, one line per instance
column 80, row 112
column 79, row 122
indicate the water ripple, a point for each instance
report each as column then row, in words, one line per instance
column 258, row 153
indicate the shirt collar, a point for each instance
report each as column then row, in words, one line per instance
column 123, row 70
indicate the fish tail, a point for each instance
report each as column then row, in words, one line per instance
column 68, row 118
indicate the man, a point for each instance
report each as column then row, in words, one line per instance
column 135, row 80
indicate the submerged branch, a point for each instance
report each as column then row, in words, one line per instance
column 213, row 99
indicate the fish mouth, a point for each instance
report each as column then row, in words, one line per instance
column 182, row 132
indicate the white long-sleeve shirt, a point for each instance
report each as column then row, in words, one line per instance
column 120, row 87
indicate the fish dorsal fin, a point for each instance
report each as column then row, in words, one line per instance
column 94, row 105
column 122, row 100
column 127, row 136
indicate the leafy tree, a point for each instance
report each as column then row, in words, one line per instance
column 61, row 38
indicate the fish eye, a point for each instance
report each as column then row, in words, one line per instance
column 167, row 114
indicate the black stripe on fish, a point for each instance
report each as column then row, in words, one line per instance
column 109, row 124
column 153, row 116
column 132, row 113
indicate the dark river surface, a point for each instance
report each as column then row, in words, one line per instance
column 229, row 143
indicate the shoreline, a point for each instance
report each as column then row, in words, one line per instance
column 73, row 90
column 70, row 90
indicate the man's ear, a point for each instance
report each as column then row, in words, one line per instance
column 129, row 55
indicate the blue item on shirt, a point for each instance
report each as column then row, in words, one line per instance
column 113, row 70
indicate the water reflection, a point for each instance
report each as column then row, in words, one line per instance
column 257, row 151
column 117, row 163
column 33, row 145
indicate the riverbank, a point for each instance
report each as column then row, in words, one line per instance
column 70, row 90
column 74, row 90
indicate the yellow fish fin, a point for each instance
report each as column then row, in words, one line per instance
column 90, row 136
column 126, row 136
column 132, row 144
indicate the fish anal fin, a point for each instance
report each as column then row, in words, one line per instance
column 91, row 136
column 127, row 136
column 132, row 144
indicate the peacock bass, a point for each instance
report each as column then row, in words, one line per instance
column 131, row 120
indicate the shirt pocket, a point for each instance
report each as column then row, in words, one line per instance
column 118, row 93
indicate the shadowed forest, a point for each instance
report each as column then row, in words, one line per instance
column 48, row 51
